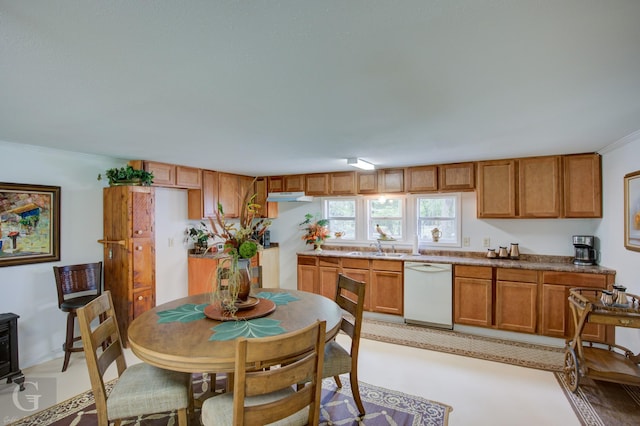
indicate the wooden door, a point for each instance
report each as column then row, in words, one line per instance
column 456, row 177
column 228, row 194
column 328, row 281
column 163, row 174
column 188, row 177
column 422, row 178
column 387, row 292
column 539, row 187
column 361, row 275
column 342, row 183
column 391, row 180
column 202, row 274
column 496, row 192
column 516, row 306
column 582, row 185
column 367, row 182
column 473, row 301
column 317, row 184
column 294, row 183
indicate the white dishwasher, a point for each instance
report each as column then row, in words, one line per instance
column 428, row 294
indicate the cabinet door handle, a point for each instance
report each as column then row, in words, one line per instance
column 139, row 248
column 139, row 231
column 140, row 298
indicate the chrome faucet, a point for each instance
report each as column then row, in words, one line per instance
column 377, row 245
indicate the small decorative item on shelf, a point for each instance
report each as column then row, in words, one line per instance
column 232, row 284
column 128, row 176
column 315, row 232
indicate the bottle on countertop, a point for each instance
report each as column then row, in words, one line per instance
column 502, row 253
column 491, row 253
column 514, row 251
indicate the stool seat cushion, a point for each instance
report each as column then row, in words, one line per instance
column 74, row 303
column 144, row 389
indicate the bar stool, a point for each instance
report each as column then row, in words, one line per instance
column 77, row 285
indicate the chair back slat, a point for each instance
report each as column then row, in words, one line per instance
column 74, row 279
column 300, row 360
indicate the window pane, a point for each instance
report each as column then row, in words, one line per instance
column 440, row 212
column 388, row 215
column 341, row 208
column 342, row 218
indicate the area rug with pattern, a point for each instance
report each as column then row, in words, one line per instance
column 598, row 403
column 383, row 407
column 542, row 357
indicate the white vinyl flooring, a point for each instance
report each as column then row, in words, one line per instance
column 480, row 392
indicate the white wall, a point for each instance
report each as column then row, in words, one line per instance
column 618, row 160
column 29, row 290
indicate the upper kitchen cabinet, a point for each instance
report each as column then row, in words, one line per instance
column 422, row 178
column 456, row 177
column 367, row 182
column 316, row 184
column 203, row 202
column 391, row 180
column 539, row 187
column 173, row 176
column 342, row 183
column 267, row 209
column 231, row 188
column 582, row 186
column 496, row 192
column 275, row 183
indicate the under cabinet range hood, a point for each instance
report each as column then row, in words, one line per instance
column 288, row 197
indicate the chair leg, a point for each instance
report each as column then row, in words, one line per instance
column 338, row 382
column 68, row 343
column 182, row 417
column 355, row 390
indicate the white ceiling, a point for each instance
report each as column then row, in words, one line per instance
column 288, row 86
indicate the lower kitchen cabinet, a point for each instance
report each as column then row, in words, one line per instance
column 387, row 295
column 201, row 274
column 358, row 269
column 556, row 320
column 517, row 300
column 308, row 274
column 328, row 270
column 473, row 295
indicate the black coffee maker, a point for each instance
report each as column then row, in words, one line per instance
column 585, row 249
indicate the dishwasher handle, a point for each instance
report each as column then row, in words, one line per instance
column 428, row 267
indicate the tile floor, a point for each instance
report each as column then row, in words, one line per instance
column 480, row 392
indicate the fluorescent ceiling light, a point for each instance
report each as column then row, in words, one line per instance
column 361, row 164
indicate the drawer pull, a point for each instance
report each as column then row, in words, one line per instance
column 140, row 298
column 139, row 232
column 139, row 248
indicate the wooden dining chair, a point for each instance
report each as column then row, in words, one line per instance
column 337, row 360
column 77, row 285
column 141, row 389
column 256, row 277
column 264, row 395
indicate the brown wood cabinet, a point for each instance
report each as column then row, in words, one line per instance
column 540, row 187
column 231, row 189
column 473, row 295
column 517, row 300
column 556, row 318
column 358, row 269
column 129, row 250
column 367, row 182
column 384, row 278
column 294, row 183
column 171, row 175
column 308, row 274
column 390, row 180
column 387, row 287
column 422, row 178
column 582, row 185
column 267, row 209
column 203, row 202
column 496, row 192
column 202, row 274
column 275, row 183
column 328, row 270
column 317, row 184
column 342, row 183
column 456, row 177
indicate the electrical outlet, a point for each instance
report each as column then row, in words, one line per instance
column 486, row 242
column 466, row 241
column 170, row 242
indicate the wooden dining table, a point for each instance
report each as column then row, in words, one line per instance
column 190, row 344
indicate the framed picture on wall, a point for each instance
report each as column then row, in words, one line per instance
column 632, row 211
column 29, row 224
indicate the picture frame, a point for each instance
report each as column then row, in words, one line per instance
column 632, row 211
column 29, row 224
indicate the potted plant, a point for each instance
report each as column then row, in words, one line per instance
column 128, row 176
column 200, row 237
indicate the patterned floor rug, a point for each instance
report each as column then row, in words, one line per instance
column 522, row 354
column 383, row 407
column 598, row 403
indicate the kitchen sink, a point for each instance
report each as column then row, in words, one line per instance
column 355, row 253
column 395, row 255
